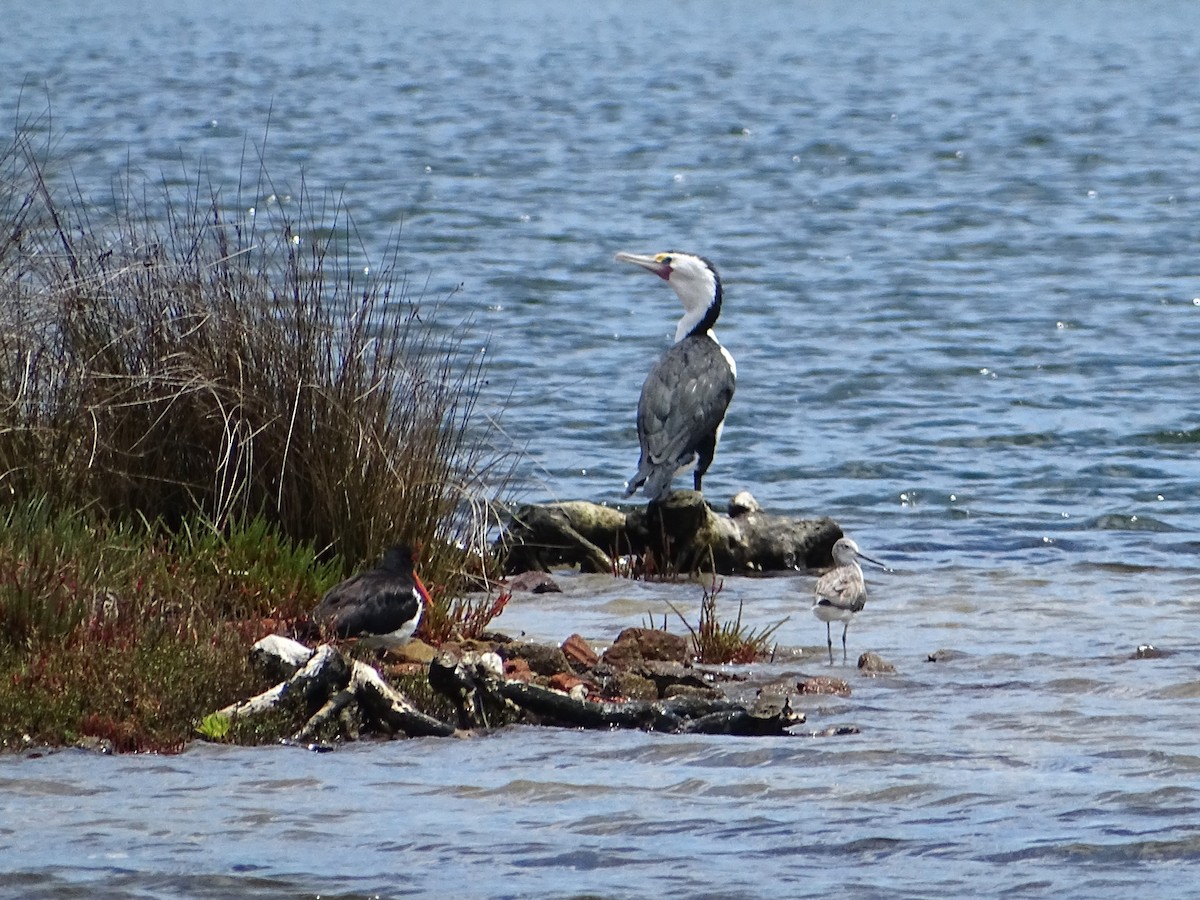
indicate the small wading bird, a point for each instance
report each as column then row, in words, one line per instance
column 842, row 591
column 381, row 607
column 682, row 408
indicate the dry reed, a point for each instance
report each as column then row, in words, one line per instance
column 186, row 356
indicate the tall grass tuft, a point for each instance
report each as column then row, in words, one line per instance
column 181, row 358
column 717, row 641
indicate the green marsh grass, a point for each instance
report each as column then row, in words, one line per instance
column 211, row 408
column 131, row 632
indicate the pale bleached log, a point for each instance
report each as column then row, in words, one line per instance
column 330, row 683
column 279, row 657
column 382, row 702
column 333, row 708
column 325, row 672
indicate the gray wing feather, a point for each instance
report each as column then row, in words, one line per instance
column 842, row 588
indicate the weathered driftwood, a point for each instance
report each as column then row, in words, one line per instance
column 347, row 692
column 279, row 657
column 324, row 672
column 330, row 683
column 470, row 684
column 681, row 531
column 391, row 708
column 458, row 679
column 337, row 707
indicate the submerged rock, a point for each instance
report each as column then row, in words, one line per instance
column 824, row 684
column 945, row 655
column 534, row 583
column 836, row 731
column 872, row 663
column 1149, row 651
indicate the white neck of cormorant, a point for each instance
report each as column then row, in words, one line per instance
column 701, row 299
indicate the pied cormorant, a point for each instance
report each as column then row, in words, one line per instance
column 841, row 592
column 381, row 607
column 682, row 408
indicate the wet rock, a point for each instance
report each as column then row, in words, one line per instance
column 1149, row 651
column 775, row 706
column 543, row 659
column 635, row 687
column 945, row 655
column 871, row 663
column 518, row 670
column 415, row 651
column 679, row 715
column 566, row 682
column 824, row 684
column 781, row 688
column 836, row 731
column 636, row 644
column 702, row 692
column 674, row 679
column 579, row 653
column 534, row 582
column 770, row 717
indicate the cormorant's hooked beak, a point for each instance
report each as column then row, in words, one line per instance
column 659, row 264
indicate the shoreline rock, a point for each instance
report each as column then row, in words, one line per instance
column 680, row 533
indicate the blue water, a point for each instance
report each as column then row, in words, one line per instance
column 959, row 248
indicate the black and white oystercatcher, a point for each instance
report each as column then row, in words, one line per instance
column 682, row 407
column 381, row 607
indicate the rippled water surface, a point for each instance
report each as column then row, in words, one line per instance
column 959, row 245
